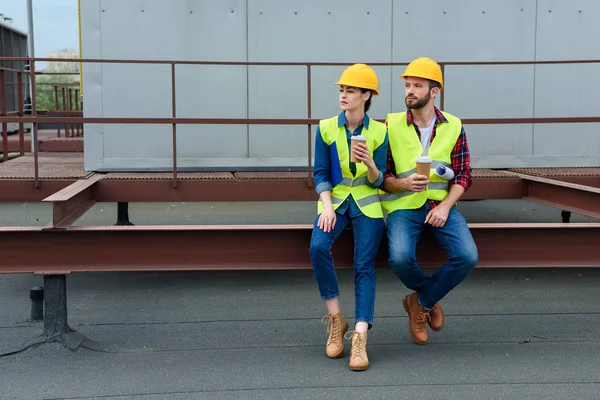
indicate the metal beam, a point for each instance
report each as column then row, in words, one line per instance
column 163, row 248
column 70, row 203
column 569, row 196
column 23, row 190
column 162, row 190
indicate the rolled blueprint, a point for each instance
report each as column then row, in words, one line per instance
column 444, row 172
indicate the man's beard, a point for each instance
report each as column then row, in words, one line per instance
column 418, row 104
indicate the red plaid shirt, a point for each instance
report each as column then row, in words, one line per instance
column 460, row 157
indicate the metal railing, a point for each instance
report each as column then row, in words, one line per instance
column 77, row 118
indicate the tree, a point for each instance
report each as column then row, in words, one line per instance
column 45, row 94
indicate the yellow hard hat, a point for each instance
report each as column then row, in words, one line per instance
column 360, row 76
column 426, row 68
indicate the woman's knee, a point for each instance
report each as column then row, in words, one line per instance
column 318, row 248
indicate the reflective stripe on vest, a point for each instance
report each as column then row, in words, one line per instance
column 406, row 147
column 366, row 197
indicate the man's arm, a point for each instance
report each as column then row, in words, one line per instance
column 460, row 159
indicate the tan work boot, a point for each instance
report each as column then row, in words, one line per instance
column 436, row 320
column 417, row 318
column 337, row 326
column 358, row 354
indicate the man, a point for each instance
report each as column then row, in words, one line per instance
column 418, row 202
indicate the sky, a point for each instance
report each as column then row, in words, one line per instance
column 55, row 23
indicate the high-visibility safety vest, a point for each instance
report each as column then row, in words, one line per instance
column 366, row 197
column 406, row 148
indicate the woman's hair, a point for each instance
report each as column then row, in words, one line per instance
column 368, row 102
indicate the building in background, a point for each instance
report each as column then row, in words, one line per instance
column 63, row 66
column 13, row 43
column 312, row 31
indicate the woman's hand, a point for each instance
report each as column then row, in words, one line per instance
column 327, row 220
column 362, row 153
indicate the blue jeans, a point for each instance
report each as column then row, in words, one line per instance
column 367, row 236
column 404, row 228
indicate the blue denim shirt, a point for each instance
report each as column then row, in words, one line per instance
column 321, row 168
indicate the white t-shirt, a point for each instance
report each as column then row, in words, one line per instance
column 425, row 135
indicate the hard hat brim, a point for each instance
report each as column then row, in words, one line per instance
column 374, row 91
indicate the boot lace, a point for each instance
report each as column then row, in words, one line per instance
column 358, row 344
column 423, row 317
column 334, row 327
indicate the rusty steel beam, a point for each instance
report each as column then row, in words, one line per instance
column 70, row 203
column 564, row 195
column 22, row 190
column 496, row 188
column 162, row 190
column 164, row 248
column 266, row 63
column 271, row 121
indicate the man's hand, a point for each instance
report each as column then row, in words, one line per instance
column 327, row 220
column 415, row 183
column 438, row 216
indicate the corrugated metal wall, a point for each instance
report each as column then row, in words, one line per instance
column 13, row 43
column 334, row 31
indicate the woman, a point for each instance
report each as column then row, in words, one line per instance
column 348, row 195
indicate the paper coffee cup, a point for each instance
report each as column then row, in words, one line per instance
column 423, row 165
column 353, row 142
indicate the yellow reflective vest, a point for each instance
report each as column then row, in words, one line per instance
column 366, row 197
column 406, row 148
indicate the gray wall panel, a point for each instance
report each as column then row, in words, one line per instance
column 314, row 30
column 325, row 94
column 165, row 30
column 138, row 91
column 567, row 90
column 211, row 91
column 277, row 92
column 130, row 141
column 279, row 141
column 461, row 31
column 567, row 30
column 567, row 139
column 209, row 141
column 91, row 75
column 333, row 31
column 489, row 91
column 499, row 140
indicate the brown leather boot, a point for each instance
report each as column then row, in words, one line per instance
column 337, row 326
column 358, row 355
column 417, row 318
column 436, row 321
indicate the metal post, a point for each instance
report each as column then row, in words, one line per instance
column 55, row 304
column 442, row 105
column 174, row 114
column 21, row 113
column 31, row 54
column 34, row 128
column 123, row 214
column 36, row 294
column 57, row 108
column 3, row 112
column 309, row 106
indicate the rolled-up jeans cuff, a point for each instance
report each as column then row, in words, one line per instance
column 330, row 297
